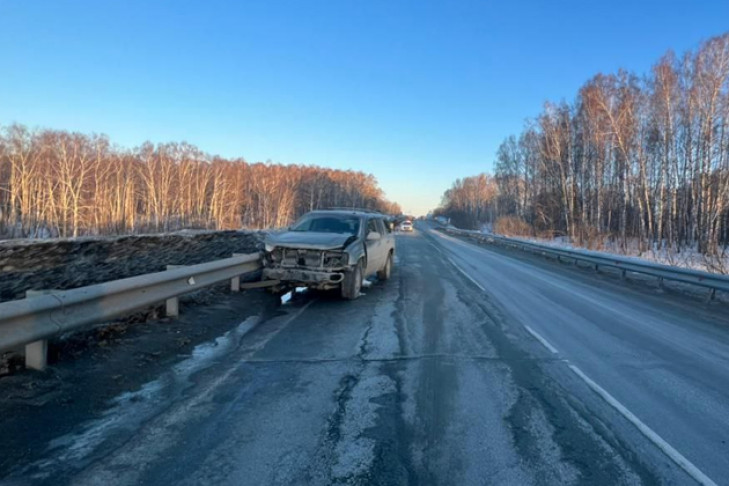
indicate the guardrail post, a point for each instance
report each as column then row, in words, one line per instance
column 172, row 305
column 711, row 295
column 235, row 281
column 36, row 353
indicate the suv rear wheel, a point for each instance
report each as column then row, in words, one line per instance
column 352, row 283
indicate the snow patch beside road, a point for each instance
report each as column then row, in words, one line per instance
column 687, row 258
column 130, row 410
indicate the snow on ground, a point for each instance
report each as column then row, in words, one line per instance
column 286, row 298
column 686, row 258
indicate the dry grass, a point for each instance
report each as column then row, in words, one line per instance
column 512, row 226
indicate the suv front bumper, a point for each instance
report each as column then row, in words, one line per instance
column 313, row 278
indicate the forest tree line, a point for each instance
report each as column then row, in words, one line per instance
column 58, row 183
column 632, row 157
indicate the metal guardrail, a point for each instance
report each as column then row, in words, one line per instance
column 36, row 318
column 662, row 272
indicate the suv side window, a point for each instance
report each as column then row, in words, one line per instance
column 382, row 227
column 387, row 225
column 372, row 226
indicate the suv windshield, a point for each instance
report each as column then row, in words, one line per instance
column 328, row 224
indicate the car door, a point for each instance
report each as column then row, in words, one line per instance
column 388, row 240
column 374, row 248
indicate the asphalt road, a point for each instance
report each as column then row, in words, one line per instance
column 470, row 366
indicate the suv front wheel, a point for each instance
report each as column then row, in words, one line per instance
column 352, row 283
column 384, row 274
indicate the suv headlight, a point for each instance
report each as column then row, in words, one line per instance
column 335, row 259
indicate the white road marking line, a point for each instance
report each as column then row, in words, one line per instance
column 260, row 345
column 664, row 446
column 436, row 248
column 539, row 338
column 466, row 275
column 649, row 433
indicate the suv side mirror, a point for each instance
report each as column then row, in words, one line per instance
column 373, row 236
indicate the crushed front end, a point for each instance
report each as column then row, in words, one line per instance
column 321, row 269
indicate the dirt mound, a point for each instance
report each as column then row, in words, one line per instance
column 69, row 263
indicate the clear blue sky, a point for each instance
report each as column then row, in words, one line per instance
column 417, row 93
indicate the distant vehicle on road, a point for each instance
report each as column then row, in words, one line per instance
column 406, row 226
column 329, row 249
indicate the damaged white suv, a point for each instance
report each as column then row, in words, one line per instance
column 329, row 249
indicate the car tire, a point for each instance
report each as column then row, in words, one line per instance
column 386, row 271
column 352, row 283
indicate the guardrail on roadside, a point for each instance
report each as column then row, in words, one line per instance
column 624, row 264
column 44, row 314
